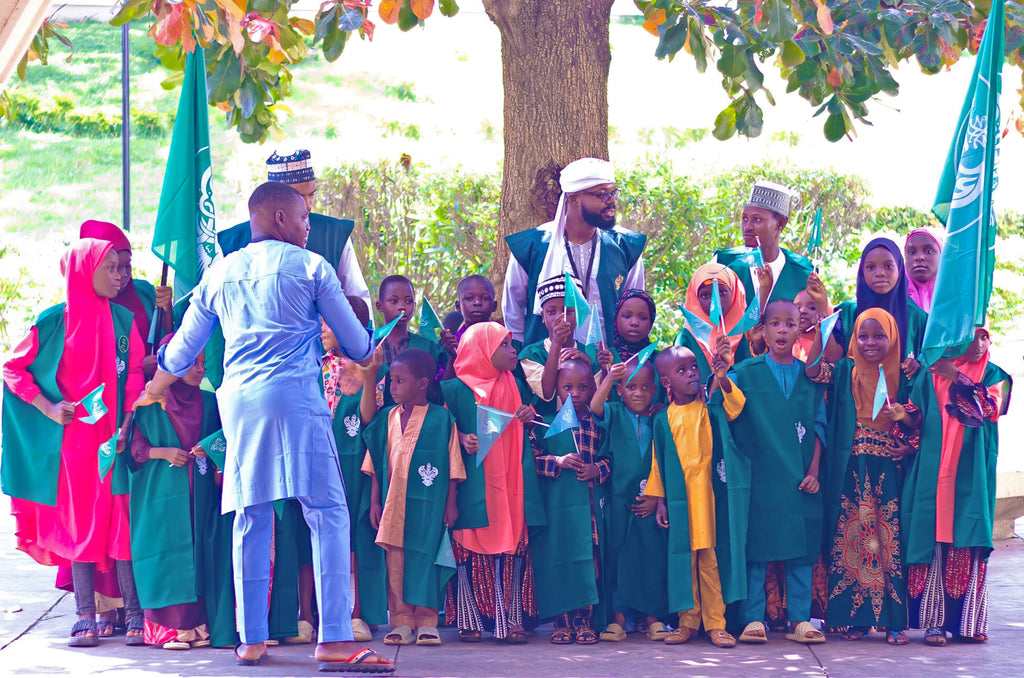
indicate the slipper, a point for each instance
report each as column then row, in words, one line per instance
column 517, row 635
column 680, row 636
column 304, row 636
column 754, row 632
column 469, row 636
column 83, row 641
column 104, row 628
column 205, row 642
column 562, row 637
column 896, row 638
column 360, row 631
column 355, row 664
column 427, row 635
column 721, row 638
column 176, row 645
column 241, row 661
column 401, row 636
column 585, row 636
column 804, row 632
column 657, row 632
column 134, row 624
column 935, row 637
column 614, row 633
column 854, row 633
column 272, row 642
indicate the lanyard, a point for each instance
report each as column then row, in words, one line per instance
column 590, row 264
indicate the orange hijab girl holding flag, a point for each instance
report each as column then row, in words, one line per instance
column 725, row 336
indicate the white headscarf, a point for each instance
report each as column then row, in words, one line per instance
column 577, row 176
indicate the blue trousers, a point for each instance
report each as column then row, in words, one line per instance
column 328, row 522
column 798, row 592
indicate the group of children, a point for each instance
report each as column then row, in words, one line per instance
column 743, row 480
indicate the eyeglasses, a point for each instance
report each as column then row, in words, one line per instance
column 606, row 196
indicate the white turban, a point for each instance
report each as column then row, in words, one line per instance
column 585, row 173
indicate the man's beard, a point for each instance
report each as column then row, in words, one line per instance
column 596, row 219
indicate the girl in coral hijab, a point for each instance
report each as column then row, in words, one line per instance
column 733, row 298
column 68, row 488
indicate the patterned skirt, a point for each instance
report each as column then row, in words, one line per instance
column 866, row 585
column 950, row 593
column 491, row 592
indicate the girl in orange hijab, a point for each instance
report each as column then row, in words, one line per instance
column 698, row 302
column 493, row 588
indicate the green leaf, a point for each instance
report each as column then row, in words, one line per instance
column 248, row 97
column 448, row 7
column 334, row 43
column 777, row 21
column 407, row 20
column 672, row 40
column 733, row 61
column 130, row 10
column 749, row 119
column 791, row 55
column 698, row 47
column 835, row 127
column 173, row 80
column 725, row 124
column 324, row 24
column 226, row 77
column 267, row 7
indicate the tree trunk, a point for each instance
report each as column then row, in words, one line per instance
column 555, row 57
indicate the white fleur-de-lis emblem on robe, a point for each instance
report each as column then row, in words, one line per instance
column 800, row 432
column 201, row 465
column 351, row 425
column 721, row 470
column 427, row 473
column 643, row 485
column 121, row 367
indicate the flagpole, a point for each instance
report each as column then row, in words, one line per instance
column 126, row 160
column 158, row 317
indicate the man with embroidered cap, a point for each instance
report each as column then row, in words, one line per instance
column 765, row 215
column 582, row 240
column 329, row 237
column 268, row 300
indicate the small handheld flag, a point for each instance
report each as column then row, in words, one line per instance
column 827, row 325
column 881, row 394
column 699, row 328
column 594, row 337
column 715, row 312
column 751, row 317
column 754, row 258
column 575, row 300
column 490, row 424
column 814, row 242
column 381, row 333
column 641, row 357
column 93, row 404
column 430, row 324
column 445, row 557
column 565, row 420
column 106, row 456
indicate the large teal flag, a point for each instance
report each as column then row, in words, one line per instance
column 184, row 236
column 964, row 205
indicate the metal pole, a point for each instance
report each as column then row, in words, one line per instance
column 126, row 159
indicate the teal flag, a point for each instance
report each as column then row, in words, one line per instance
column 964, row 204
column 490, row 424
column 575, row 300
column 715, row 312
column 641, row 357
column 751, row 318
column 430, row 324
column 184, row 236
column 445, row 556
column 828, row 324
column 814, row 243
column 93, row 404
column 699, row 328
column 594, row 336
column 881, row 394
column 106, row 456
column 754, row 258
column 565, row 420
column 381, row 333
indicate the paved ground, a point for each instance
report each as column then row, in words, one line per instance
column 32, row 642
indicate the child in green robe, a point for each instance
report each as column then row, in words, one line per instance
column 781, row 431
column 414, row 462
column 635, row 548
column 396, row 298
column 573, row 477
column 474, row 303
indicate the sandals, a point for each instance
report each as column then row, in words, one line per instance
column 754, row 632
column 357, row 664
column 469, row 636
column 854, row 633
column 896, row 638
column 804, row 632
column 104, row 628
column 585, row 636
column 613, row 633
column 134, row 624
column 562, row 637
column 303, row 636
column 721, row 638
column 517, row 635
column 680, row 636
column 935, row 636
column 427, row 635
column 656, row 632
column 83, row 625
column 243, row 661
column 177, row 645
column 402, row 635
column 360, row 631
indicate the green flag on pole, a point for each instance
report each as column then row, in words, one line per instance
column 964, row 204
column 430, row 324
column 184, row 236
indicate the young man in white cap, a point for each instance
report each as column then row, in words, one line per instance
column 329, row 237
column 582, row 240
column 767, row 212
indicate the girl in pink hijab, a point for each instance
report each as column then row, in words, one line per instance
column 921, row 253
column 68, row 391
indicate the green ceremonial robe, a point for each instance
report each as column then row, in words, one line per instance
column 372, row 574
column 916, row 321
column 563, row 550
column 423, row 580
column 31, row 441
column 537, row 353
column 181, row 544
column 417, row 341
column 791, row 282
column 975, row 477
column 471, row 497
column 685, row 338
column 636, row 548
column 777, row 435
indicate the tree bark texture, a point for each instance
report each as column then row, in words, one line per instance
column 555, row 57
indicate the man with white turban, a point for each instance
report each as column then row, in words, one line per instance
column 582, row 240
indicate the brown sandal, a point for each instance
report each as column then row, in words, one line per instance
column 562, row 637
column 585, row 636
column 469, row 636
column 721, row 638
column 680, row 636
